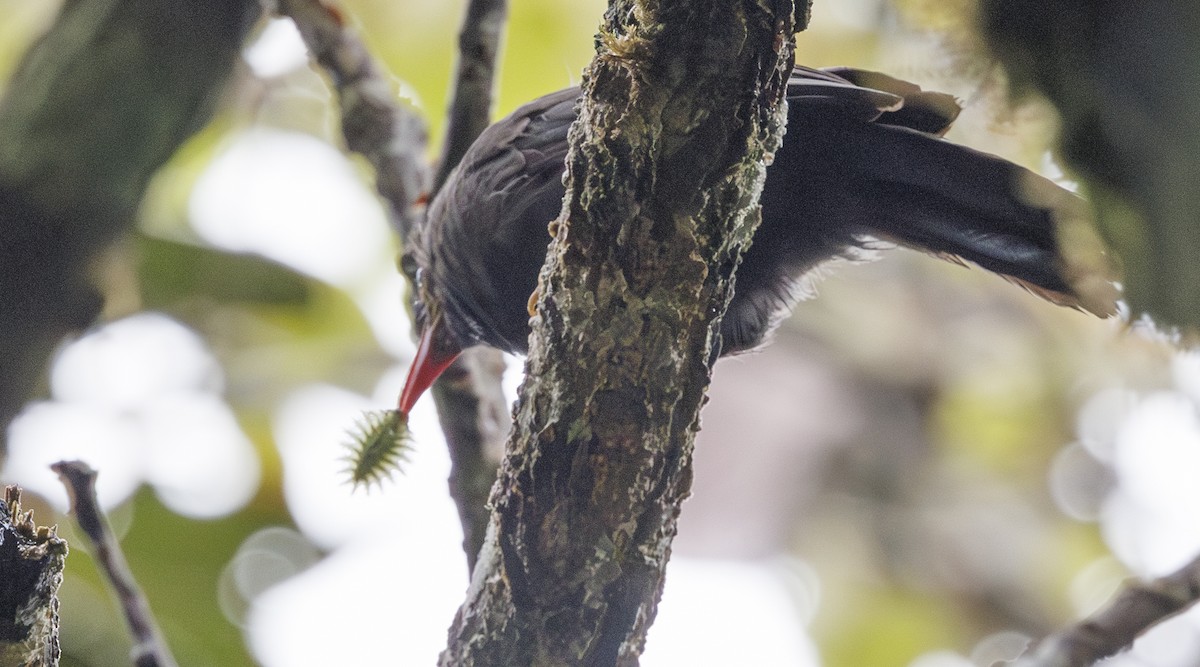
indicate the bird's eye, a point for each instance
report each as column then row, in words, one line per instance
column 420, row 313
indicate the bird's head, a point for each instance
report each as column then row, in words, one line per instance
column 380, row 441
column 436, row 349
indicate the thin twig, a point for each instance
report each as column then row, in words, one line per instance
column 475, row 420
column 470, row 111
column 470, row 402
column 149, row 647
column 374, row 124
column 1136, row 609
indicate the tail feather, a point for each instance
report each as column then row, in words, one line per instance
column 924, row 110
column 954, row 202
column 840, row 178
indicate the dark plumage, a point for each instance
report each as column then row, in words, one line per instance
column 862, row 158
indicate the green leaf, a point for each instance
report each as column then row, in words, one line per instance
column 170, row 272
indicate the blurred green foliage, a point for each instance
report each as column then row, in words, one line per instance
column 890, row 626
column 171, row 272
column 547, row 44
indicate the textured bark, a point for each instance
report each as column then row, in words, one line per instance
column 31, row 568
column 475, row 421
column 97, row 105
column 682, row 109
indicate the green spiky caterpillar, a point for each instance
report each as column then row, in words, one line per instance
column 379, row 445
column 381, row 441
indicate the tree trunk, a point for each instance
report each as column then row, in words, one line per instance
column 682, row 111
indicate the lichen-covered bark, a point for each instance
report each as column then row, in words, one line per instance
column 682, row 110
column 32, row 559
column 96, row 107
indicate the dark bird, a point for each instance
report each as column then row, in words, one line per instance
column 863, row 159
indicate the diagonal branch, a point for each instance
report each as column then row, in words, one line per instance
column 1136, row 609
column 682, row 107
column 374, row 125
column 471, row 107
column 149, row 647
column 470, row 401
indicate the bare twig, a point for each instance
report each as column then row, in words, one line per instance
column 32, row 560
column 469, row 399
column 1136, row 609
column 149, row 647
column 374, row 124
column 478, row 46
column 475, row 420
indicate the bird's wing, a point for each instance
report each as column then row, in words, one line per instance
column 823, row 90
column 487, row 229
column 857, row 161
column 923, row 110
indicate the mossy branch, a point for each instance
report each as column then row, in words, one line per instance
column 682, row 106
